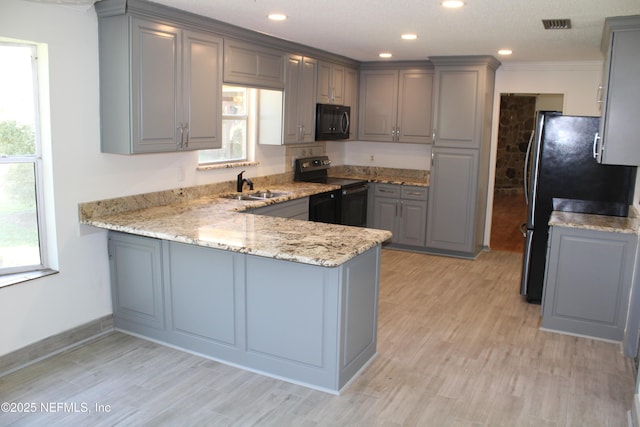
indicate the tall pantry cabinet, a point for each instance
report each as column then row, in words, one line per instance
column 460, row 155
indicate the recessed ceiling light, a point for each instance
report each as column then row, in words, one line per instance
column 409, row 36
column 277, row 16
column 452, row 4
column 385, row 55
column 505, row 52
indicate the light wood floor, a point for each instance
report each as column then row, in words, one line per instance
column 457, row 347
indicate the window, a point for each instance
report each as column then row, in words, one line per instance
column 249, row 115
column 21, row 213
column 237, row 112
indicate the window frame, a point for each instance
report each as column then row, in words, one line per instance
column 7, row 273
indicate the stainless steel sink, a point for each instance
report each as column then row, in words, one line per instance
column 256, row 195
column 265, row 194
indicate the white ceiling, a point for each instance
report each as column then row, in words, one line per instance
column 360, row 29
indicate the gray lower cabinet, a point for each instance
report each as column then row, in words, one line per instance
column 401, row 209
column 137, row 283
column 292, row 209
column 160, row 86
column 620, row 91
column 452, row 222
column 587, row 282
column 307, row 324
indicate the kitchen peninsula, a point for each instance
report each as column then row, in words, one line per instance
column 291, row 299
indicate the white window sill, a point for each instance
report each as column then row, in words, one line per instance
column 205, row 167
column 15, row 278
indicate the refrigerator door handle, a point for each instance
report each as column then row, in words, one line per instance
column 523, row 230
column 596, row 154
column 526, row 263
column 526, row 168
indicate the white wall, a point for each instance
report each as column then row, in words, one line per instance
column 80, row 293
column 388, row 154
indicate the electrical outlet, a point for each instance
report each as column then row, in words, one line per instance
column 372, row 158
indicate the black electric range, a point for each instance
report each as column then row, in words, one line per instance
column 347, row 206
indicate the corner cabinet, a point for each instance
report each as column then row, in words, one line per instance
column 619, row 142
column 299, row 96
column 395, row 105
column 160, row 85
column 587, row 282
column 460, row 156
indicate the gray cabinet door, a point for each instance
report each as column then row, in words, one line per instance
column 587, row 282
column 413, row 214
column 203, row 298
column 155, row 77
column 395, row 105
column 299, row 96
column 201, row 91
column 384, row 215
column 331, row 81
column 351, row 100
column 456, row 107
column 414, row 106
column 137, row 281
column 253, row 65
column 378, row 105
column 452, row 205
column 619, row 126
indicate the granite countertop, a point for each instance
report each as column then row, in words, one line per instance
column 220, row 223
column 388, row 179
column 630, row 224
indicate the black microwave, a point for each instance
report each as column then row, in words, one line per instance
column 332, row 122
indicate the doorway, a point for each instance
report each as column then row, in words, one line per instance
column 515, row 129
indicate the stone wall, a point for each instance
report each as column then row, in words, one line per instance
column 517, row 121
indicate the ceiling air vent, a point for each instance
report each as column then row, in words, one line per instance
column 556, row 24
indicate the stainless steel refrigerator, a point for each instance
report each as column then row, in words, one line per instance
column 563, row 175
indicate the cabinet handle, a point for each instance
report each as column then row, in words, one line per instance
column 382, row 190
column 414, row 193
column 186, row 137
column 431, row 156
column 179, row 141
column 433, row 136
column 398, row 134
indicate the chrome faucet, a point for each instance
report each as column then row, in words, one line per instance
column 240, row 182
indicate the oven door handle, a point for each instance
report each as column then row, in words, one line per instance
column 359, row 189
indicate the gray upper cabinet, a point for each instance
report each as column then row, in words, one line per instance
column 457, row 104
column 299, row 96
column 459, row 176
column 395, row 105
column 351, row 99
column 331, row 83
column 619, row 128
column 253, row 65
column 159, row 86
